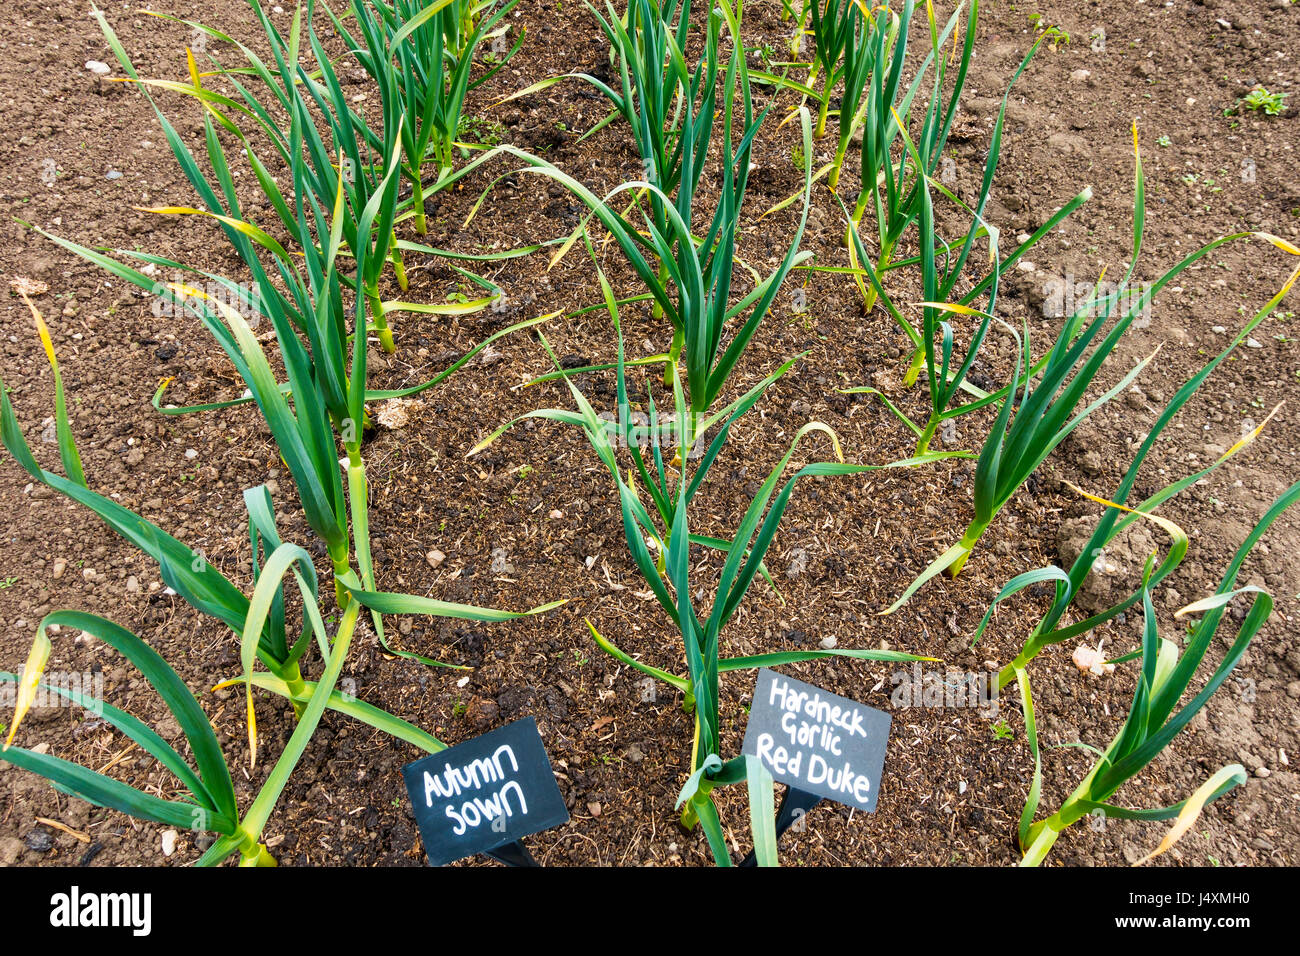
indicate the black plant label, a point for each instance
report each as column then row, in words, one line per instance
column 816, row 741
column 484, row 793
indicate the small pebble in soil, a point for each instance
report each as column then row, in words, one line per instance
column 10, row 851
column 169, row 842
column 829, row 643
column 90, row 854
column 97, row 67
column 112, row 174
column 647, row 690
column 435, row 558
column 798, row 563
column 481, row 713
column 39, row 841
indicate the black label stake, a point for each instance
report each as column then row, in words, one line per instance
column 512, row 854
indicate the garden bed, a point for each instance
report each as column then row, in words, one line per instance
column 532, row 519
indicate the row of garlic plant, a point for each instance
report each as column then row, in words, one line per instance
column 659, row 541
column 321, row 294
column 1157, row 713
column 259, row 621
column 689, row 280
column 322, row 300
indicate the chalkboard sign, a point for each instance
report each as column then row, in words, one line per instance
column 816, row 741
column 484, row 793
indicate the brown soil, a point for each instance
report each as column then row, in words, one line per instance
column 953, row 789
